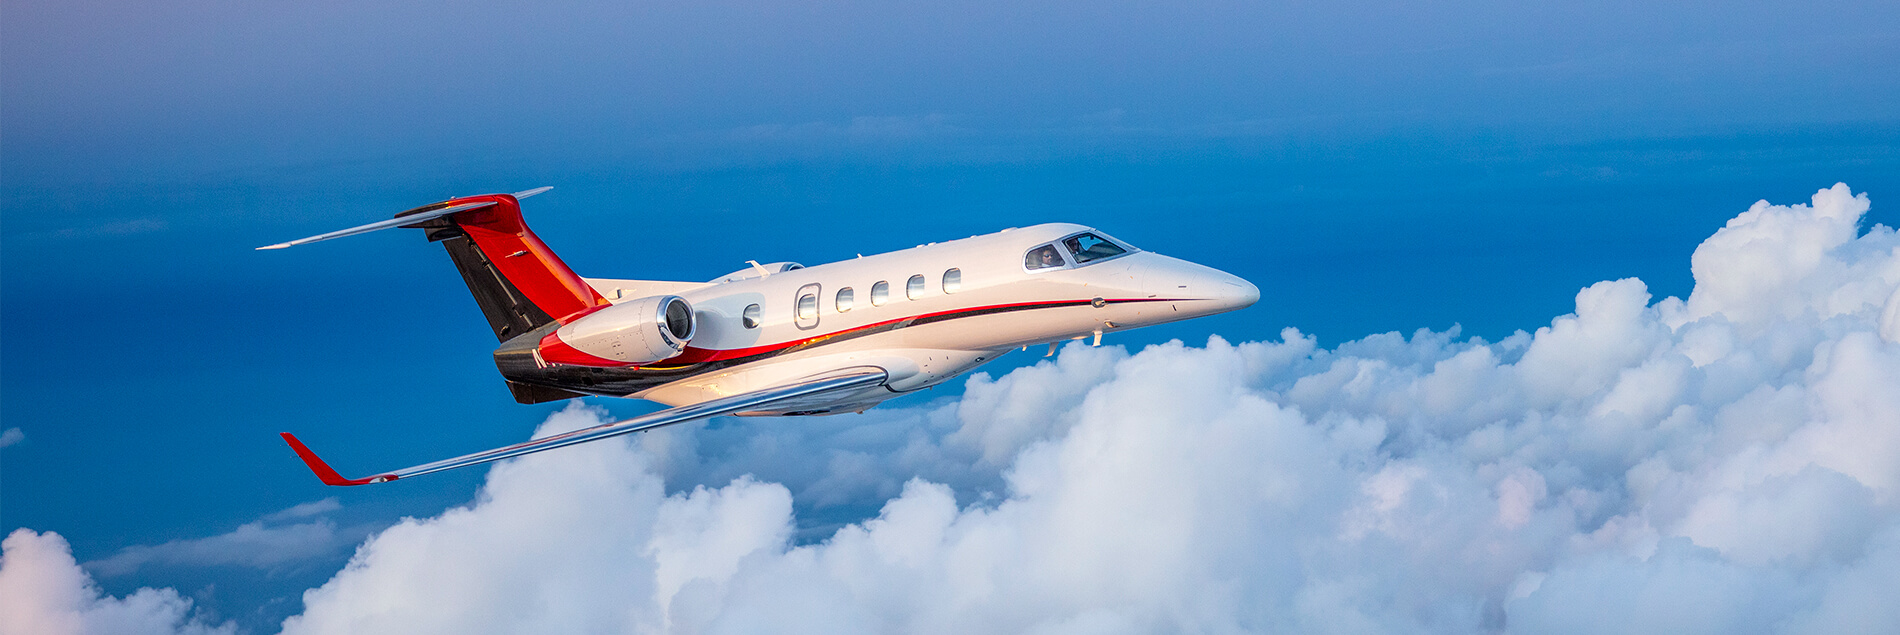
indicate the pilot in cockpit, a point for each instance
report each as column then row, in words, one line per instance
column 1043, row 257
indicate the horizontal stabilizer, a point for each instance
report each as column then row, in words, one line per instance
column 811, row 393
column 401, row 220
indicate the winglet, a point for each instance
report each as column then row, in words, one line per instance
column 323, row 471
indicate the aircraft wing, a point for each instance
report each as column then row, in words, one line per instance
column 816, row 392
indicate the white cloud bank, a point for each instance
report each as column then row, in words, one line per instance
column 1729, row 463
column 44, row 592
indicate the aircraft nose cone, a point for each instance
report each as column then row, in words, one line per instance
column 1230, row 292
column 1203, row 290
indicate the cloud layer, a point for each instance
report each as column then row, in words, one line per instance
column 44, row 592
column 265, row 543
column 1729, row 462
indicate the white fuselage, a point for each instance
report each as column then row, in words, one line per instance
column 922, row 335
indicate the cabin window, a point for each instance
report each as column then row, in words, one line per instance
column 845, row 299
column 750, row 316
column 807, row 306
column 1044, row 257
column 880, row 293
column 953, row 281
column 915, row 288
column 1090, row 247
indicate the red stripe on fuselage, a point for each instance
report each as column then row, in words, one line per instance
column 699, row 355
column 524, row 260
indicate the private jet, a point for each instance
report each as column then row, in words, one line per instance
column 782, row 339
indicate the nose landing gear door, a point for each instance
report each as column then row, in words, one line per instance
column 805, row 307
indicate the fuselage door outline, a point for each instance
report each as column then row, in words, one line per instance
column 805, row 306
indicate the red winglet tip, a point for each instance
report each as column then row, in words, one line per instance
column 323, row 471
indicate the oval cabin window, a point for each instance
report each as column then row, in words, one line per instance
column 750, row 317
column 807, row 306
column 845, row 299
column 880, row 293
column 915, row 288
column 953, row 281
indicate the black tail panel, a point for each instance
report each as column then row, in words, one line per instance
column 509, row 312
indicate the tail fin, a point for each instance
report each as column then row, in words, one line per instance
column 517, row 281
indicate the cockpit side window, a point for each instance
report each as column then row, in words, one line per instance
column 1090, row 247
column 1044, row 257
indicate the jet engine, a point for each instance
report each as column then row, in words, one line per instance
column 631, row 333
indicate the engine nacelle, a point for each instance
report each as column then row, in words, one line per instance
column 631, row 333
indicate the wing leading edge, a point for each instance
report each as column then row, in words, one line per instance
column 812, row 391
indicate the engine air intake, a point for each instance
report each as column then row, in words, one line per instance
column 679, row 319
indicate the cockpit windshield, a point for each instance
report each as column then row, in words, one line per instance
column 1090, row 247
column 1044, row 257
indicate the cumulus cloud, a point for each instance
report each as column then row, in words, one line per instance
column 11, row 436
column 44, row 592
column 1729, row 462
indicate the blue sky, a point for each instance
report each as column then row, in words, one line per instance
column 1372, row 166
